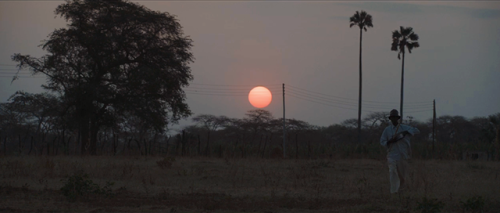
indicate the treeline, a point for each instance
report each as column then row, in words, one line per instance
column 259, row 134
column 35, row 124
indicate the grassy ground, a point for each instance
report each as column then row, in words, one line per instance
column 157, row 184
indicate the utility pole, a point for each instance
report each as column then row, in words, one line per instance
column 433, row 123
column 284, row 128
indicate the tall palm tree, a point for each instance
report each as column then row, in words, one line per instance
column 403, row 39
column 363, row 20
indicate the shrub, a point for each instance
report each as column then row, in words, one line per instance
column 473, row 204
column 79, row 185
column 430, row 205
column 166, row 162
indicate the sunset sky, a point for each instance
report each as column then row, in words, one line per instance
column 308, row 46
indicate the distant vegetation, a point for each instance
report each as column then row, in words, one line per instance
column 34, row 129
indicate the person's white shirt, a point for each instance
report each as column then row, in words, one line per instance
column 401, row 148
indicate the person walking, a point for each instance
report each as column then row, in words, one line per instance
column 396, row 138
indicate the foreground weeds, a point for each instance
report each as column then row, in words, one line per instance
column 164, row 184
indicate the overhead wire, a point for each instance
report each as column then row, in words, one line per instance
column 243, row 90
column 21, row 76
column 326, row 104
column 317, row 93
column 225, row 90
column 319, row 99
column 304, row 95
column 427, row 110
column 10, row 72
column 235, row 85
column 13, row 70
column 13, row 65
column 350, row 104
column 324, row 99
column 222, row 89
column 211, row 94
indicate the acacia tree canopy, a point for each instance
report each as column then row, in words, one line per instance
column 116, row 58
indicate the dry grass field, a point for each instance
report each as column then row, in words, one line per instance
column 157, row 184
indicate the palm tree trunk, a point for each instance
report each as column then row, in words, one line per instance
column 402, row 84
column 360, row 81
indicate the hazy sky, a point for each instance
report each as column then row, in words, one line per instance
column 310, row 48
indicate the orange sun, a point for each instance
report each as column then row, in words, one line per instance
column 260, row 97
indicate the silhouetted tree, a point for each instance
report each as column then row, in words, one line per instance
column 39, row 113
column 374, row 124
column 349, row 126
column 404, row 38
column 11, row 124
column 237, row 131
column 485, row 131
column 350, row 123
column 210, row 123
column 455, row 129
column 257, row 121
column 295, row 127
column 116, row 58
column 362, row 20
column 375, row 119
column 495, row 121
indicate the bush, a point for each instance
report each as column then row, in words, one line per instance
column 166, row 162
column 79, row 185
column 430, row 205
column 473, row 204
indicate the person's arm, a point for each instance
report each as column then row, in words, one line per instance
column 393, row 140
column 410, row 131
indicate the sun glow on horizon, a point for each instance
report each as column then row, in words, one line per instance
column 260, row 97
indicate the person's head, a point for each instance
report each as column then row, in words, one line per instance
column 394, row 117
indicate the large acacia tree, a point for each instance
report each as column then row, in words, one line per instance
column 362, row 20
column 403, row 39
column 116, row 58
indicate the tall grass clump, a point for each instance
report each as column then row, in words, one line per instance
column 474, row 204
column 430, row 205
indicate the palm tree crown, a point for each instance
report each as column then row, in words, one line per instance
column 362, row 19
column 404, row 38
